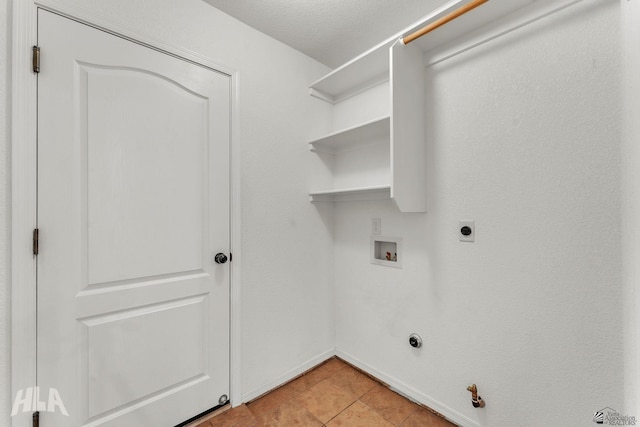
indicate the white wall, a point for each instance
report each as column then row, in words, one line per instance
column 524, row 137
column 287, row 293
column 630, row 16
column 5, row 170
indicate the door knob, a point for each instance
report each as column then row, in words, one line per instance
column 220, row 258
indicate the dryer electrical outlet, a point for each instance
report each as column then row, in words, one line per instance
column 466, row 231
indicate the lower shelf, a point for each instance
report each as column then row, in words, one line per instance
column 382, row 192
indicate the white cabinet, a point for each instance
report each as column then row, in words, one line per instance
column 378, row 156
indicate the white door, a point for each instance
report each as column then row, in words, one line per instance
column 133, row 205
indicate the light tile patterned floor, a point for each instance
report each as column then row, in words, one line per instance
column 333, row 394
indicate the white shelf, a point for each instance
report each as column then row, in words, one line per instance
column 353, row 137
column 372, row 67
column 349, row 89
column 361, row 73
column 382, row 192
column 402, row 133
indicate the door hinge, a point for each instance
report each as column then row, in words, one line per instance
column 36, row 241
column 36, row 419
column 36, row 59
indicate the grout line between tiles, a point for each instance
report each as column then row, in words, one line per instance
column 350, row 405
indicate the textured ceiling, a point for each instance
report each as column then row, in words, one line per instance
column 331, row 31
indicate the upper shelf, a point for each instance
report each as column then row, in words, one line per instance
column 362, row 72
column 372, row 67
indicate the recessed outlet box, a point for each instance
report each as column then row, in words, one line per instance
column 386, row 251
column 466, row 231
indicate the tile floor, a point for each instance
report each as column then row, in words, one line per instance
column 333, row 394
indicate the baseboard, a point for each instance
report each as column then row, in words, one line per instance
column 409, row 392
column 397, row 386
column 288, row 376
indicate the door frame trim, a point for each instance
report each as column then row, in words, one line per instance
column 23, row 203
column 24, row 186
